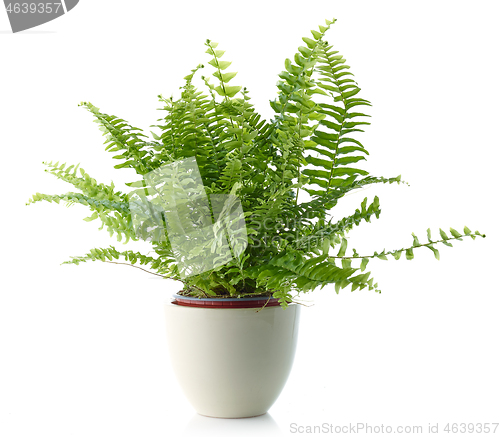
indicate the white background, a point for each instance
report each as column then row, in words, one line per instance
column 83, row 349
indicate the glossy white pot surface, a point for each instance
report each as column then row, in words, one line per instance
column 232, row 362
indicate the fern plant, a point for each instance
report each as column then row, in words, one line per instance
column 288, row 173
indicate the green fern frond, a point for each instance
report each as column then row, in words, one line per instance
column 80, row 179
column 288, row 172
column 111, row 254
column 408, row 251
column 124, row 138
column 320, row 232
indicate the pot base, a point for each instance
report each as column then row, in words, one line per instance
column 242, row 417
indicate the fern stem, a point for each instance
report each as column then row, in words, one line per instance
column 157, row 274
column 140, row 268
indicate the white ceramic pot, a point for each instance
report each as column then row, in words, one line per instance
column 232, row 362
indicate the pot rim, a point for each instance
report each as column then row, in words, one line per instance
column 230, row 302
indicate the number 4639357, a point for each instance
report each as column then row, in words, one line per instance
column 476, row 428
column 33, row 8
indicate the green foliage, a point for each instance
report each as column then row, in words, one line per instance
column 311, row 147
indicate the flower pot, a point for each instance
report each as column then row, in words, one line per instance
column 232, row 362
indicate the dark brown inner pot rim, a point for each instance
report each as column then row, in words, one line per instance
column 226, row 302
